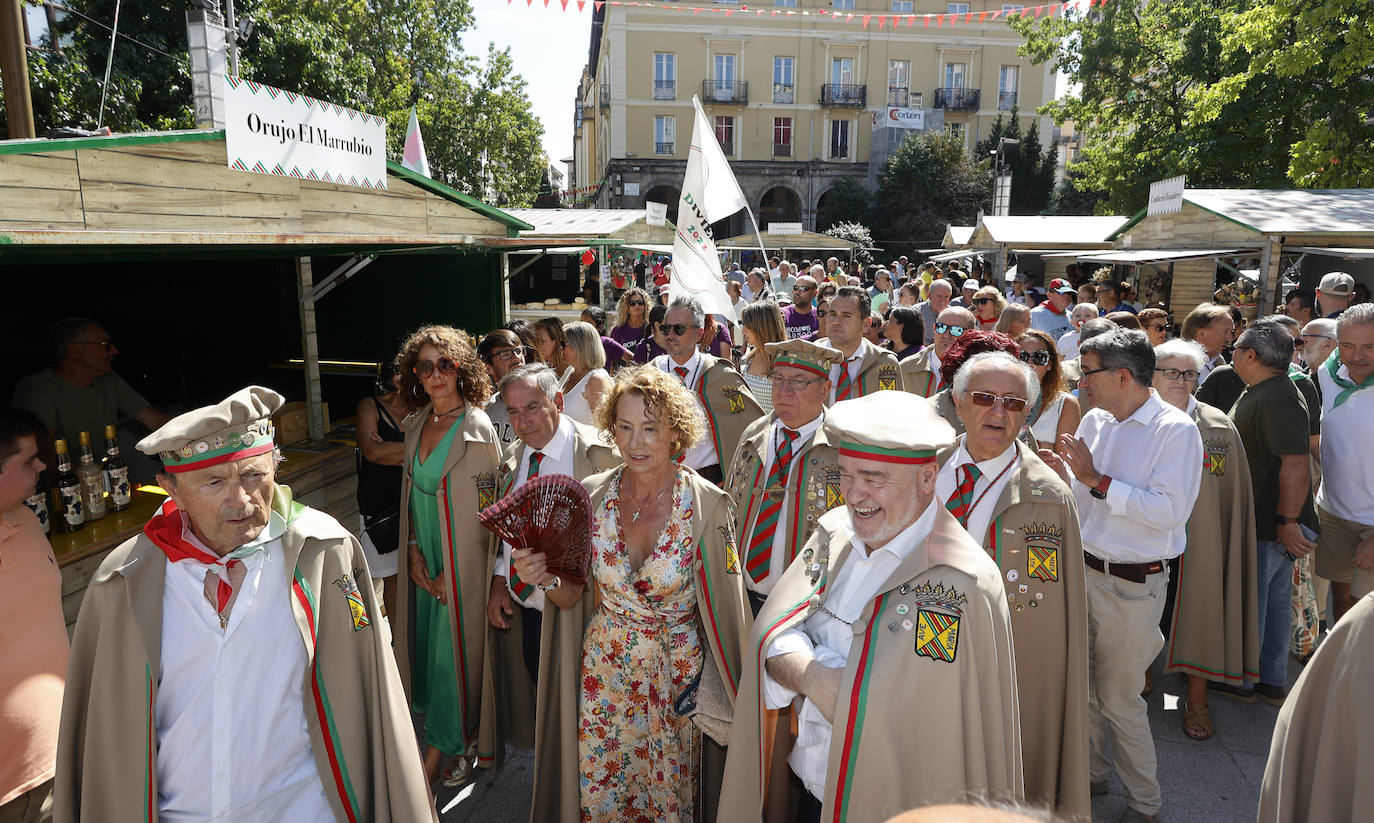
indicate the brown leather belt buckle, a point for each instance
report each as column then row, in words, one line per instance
column 1134, row 572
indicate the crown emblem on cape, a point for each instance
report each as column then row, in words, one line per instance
column 1044, row 531
column 939, row 596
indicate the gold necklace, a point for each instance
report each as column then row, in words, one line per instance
column 634, row 518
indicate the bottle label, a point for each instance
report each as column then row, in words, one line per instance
column 117, row 481
column 95, row 502
column 38, row 503
column 74, row 513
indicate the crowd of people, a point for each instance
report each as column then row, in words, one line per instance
column 878, row 548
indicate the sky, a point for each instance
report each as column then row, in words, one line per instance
column 549, row 49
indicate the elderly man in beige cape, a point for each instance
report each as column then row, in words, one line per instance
column 891, row 632
column 1026, row 519
column 227, row 664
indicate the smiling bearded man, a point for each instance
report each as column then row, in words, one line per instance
column 227, row 664
column 890, row 606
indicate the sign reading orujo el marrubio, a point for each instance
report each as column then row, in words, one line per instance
column 273, row 131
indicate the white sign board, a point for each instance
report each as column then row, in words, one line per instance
column 656, row 214
column 631, row 189
column 271, row 131
column 1166, row 196
column 784, row 228
column 904, row 118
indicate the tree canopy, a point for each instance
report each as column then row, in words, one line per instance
column 378, row 56
column 926, row 184
column 1032, row 166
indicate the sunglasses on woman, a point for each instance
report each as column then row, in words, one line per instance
column 987, row 400
column 425, row 368
column 634, row 302
column 952, row 331
column 1035, row 358
column 983, row 301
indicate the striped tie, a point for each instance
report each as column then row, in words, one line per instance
column 681, row 373
column 761, row 544
column 522, row 589
column 960, row 504
column 845, row 386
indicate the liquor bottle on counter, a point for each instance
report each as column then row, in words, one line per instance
column 116, row 472
column 69, row 513
column 92, row 483
column 38, row 503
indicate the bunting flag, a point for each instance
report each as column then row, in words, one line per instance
column 413, row 156
column 966, row 18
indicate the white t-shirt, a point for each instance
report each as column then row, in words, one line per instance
column 1347, row 489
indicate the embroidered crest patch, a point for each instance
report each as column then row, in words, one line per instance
column 1043, row 541
column 1214, row 456
column 937, row 621
column 887, row 378
column 731, row 554
column 833, row 497
column 735, row 397
column 349, row 586
column 485, row 484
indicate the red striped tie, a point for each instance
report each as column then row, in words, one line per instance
column 756, row 561
column 845, row 386
column 960, row 504
column 681, row 373
column 522, row 589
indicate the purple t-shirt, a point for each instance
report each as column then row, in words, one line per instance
column 798, row 324
column 614, row 352
column 626, row 334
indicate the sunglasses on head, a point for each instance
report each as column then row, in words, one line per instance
column 1035, row 358
column 952, row 331
column 987, row 399
column 675, row 329
column 425, row 368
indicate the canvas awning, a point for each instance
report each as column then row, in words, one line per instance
column 957, row 255
column 1133, row 257
column 1331, row 251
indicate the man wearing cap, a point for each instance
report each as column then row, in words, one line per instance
column 1052, row 316
column 1334, row 294
column 890, row 606
column 227, row 664
column 970, row 288
column 863, row 368
column 1026, row 519
column 721, row 393
column 549, row 442
column 921, row 371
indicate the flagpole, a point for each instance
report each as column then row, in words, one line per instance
column 757, row 234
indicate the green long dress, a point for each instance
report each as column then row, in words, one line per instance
column 435, row 676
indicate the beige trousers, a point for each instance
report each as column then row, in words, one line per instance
column 1336, row 552
column 1123, row 641
column 33, row 806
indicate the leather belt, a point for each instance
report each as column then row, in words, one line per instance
column 1134, row 572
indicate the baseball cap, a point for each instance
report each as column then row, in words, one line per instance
column 1337, row 282
column 1062, row 286
column 973, row 284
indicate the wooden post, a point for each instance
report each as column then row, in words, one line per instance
column 14, row 69
column 310, row 346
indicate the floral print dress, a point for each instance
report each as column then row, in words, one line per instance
column 638, row 757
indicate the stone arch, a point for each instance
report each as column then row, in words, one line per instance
column 779, row 204
column 665, row 193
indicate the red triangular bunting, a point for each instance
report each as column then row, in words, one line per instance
column 866, row 19
column 1039, row 10
column 910, row 20
column 939, row 20
column 882, row 21
column 968, row 18
column 982, row 17
column 565, row 4
column 581, row 4
column 597, row 4
column 926, row 19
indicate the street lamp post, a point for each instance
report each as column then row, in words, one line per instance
column 1001, row 190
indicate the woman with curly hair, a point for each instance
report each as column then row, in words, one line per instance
column 630, row 317
column 988, row 303
column 638, row 664
column 549, row 341
column 450, row 465
column 1057, row 412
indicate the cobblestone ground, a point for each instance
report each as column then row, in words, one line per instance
column 1211, row 781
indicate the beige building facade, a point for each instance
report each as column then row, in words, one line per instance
column 797, row 101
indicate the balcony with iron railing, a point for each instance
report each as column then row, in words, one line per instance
column 665, row 90
column 782, row 149
column 784, row 92
column 844, row 95
column 1006, row 100
column 663, row 148
column 725, row 91
column 898, row 95
column 957, row 99
column 605, row 95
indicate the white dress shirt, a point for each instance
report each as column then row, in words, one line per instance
column 232, row 739
column 985, row 490
column 852, row 363
column 1153, row 458
column 777, row 564
column 933, row 363
column 855, row 585
column 1208, row 365
column 557, row 459
column 703, row 454
column 1347, row 489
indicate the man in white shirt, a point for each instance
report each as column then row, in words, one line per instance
column 1345, row 501
column 227, row 662
column 921, row 371
column 782, row 278
column 1068, row 342
column 1133, row 467
column 1211, row 326
column 863, row 368
column 890, row 605
column 1316, row 343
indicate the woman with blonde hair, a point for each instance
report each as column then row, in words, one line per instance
column 589, row 380
column 763, row 324
column 440, row 625
column 638, row 669
column 631, row 315
column 1057, row 411
column 1014, row 320
column 987, row 307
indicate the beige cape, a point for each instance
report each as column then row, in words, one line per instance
column 910, row 729
column 359, row 723
column 723, row 624
column 878, row 371
column 1215, row 631
column 729, row 405
column 917, row 377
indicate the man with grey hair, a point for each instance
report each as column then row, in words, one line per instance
column 1345, row 502
column 783, row 279
column 1317, row 342
column 1271, row 418
column 547, row 442
column 723, row 396
column 1133, row 468
column 940, row 293
column 1025, row 517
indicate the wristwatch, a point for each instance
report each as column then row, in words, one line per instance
column 552, row 584
column 1100, row 490
column 1282, row 520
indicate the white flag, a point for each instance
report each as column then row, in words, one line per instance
column 709, row 193
column 413, row 157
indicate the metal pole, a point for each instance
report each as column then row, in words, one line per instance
column 14, row 66
column 109, row 64
column 310, row 345
column 233, row 35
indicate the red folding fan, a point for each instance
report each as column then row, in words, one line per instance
column 550, row 513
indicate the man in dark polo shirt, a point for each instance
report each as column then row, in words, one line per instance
column 1272, row 419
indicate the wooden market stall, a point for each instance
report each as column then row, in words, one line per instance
column 197, row 247
column 793, row 243
column 956, row 237
column 1031, row 239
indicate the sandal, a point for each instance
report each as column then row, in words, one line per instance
column 459, row 771
column 1197, row 721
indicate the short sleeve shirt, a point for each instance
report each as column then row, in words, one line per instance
column 799, row 325
column 1273, row 422
column 66, row 409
